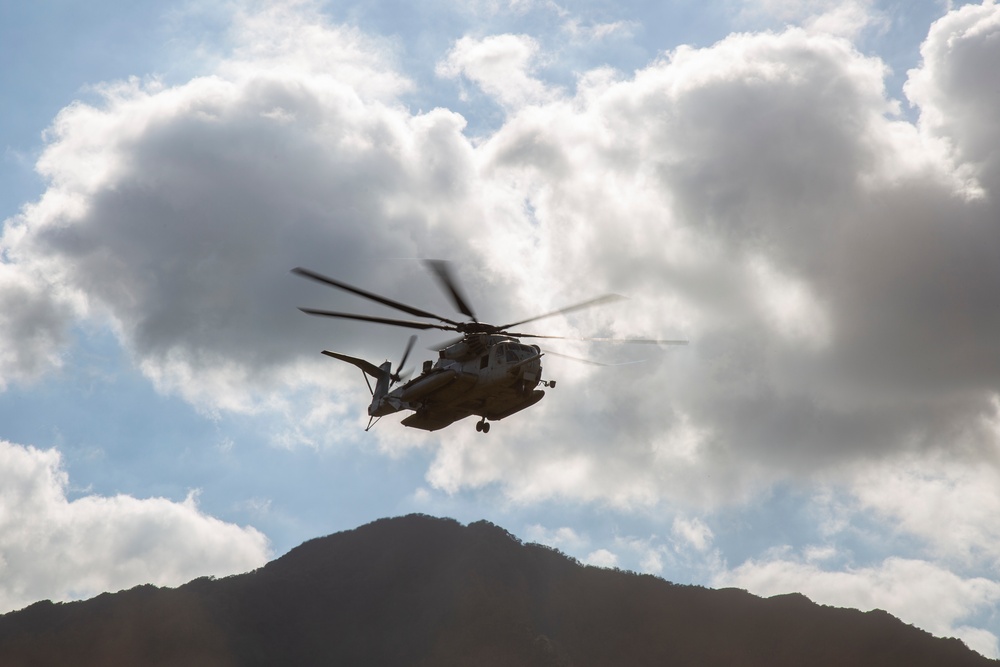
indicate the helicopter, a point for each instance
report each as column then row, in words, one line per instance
column 487, row 371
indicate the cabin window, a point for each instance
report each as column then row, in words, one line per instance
column 485, row 361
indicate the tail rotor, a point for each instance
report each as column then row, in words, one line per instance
column 401, row 374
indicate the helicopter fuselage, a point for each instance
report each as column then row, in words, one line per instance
column 492, row 376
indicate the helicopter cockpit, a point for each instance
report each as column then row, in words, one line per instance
column 512, row 353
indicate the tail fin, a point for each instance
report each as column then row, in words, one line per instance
column 383, row 377
column 381, row 389
column 368, row 367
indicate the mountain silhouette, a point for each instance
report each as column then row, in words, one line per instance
column 423, row 591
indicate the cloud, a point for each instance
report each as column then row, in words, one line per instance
column 835, row 17
column 34, row 327
column 61, row 549
column 596, row 32
column 602, row 558
column 693, row 532
column 501, row 65
column 760, row 197
column 564, row 538
column 294, row 41
column 687, row 554
column 174, row 213
column 950, row 505
column 916, row 591
column 955, row 88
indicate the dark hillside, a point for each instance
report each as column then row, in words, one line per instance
column 423, row 591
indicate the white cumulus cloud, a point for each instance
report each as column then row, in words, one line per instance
column 951, row 505
column 54, row 547
column 916, row 591
column 602, row 558
column 760, row 197
column 501, row 65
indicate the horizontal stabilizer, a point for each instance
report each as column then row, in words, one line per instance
column 367, row 366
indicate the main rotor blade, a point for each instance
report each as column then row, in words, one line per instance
column 591, row 361
column 607, row 298
column 645, row 341
column 380, row 320
column 447, row 343
column 443, row 273
column 320, row 278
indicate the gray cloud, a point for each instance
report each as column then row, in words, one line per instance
column 956, row 88
column 205, row 195
column 33, row 328
column 835, row 276
column 759, row 197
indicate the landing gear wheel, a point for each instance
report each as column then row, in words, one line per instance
column 483, row 426
column 486, row 427
column 479, row 426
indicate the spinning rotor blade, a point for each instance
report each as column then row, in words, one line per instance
column 591, row 361
column 607, row 298
column 380, row 320
column 447, row 343
column 646, row 341
column 443, row 273
column 406, row 352
column 399, row 374
column 326, row 280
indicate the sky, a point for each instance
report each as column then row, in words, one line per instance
column 804, row 190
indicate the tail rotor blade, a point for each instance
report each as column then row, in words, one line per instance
column 400, row 374
column 406, row 352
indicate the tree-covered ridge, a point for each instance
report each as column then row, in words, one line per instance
column 418, row 590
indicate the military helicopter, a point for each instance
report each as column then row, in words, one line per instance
column 486, row 372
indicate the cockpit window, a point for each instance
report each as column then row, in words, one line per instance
column 512, row 353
